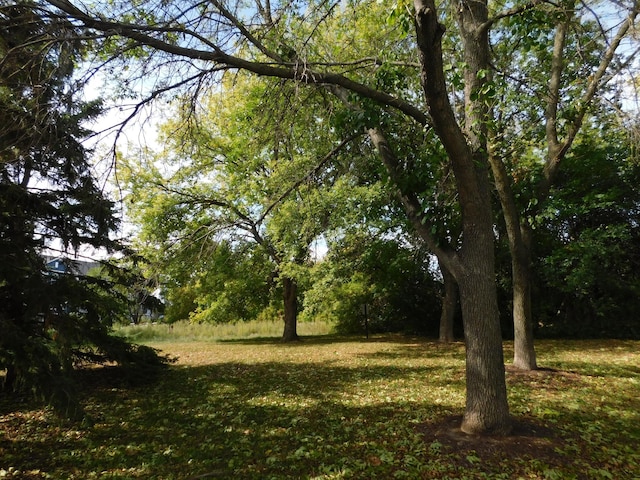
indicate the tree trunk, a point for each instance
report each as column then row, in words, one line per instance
column 473, row 268
column 290, row 310
column 449, row 305
column 524, row 353
column 519, row 236
column 487, row 410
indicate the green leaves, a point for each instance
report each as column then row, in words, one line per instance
column 394, row 282
column 262, row 189
column 587, row 234
column 401, row 14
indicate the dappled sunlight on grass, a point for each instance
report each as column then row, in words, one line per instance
column 326, row 408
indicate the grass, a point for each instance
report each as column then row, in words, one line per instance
column 186, row 331
column 335, row 408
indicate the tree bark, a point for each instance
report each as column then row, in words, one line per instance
column 290, row 288
column 449, row 305
column 473, row 268
column 486, row 410
column 524, row 353
column 519, row 237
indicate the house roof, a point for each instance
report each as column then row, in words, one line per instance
column 67, row 265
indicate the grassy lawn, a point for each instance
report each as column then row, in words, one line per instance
column 333, row 408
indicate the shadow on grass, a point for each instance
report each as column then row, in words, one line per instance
column 234, row 420
column 585, row 346
column 311, row 419
column 601, row 369
column 276, row 420
column 408, row 346
column 323, row 340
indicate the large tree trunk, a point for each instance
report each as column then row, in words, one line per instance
column 449, row 305
column 290, row 288
column 487, row 411
column 486, row 408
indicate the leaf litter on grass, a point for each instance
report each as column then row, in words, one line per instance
column 332, row 407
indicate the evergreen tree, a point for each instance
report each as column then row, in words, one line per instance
column 48, row 198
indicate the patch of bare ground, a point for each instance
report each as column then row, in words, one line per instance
column 530, row 438
column 513, row 372
column 527, row 438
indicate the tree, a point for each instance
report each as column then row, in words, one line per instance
column 130, row 280
column 241, row 184
column 290, row 43
column 587, row 241
column 49, row 321
column 565, row 95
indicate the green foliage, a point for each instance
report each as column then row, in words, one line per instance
column 395, row 283
column 49, row 199
column 400, row 13
column 233, row 287
column 131, row 288
column 588, row 244
column 247, row 202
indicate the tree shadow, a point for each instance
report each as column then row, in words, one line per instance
column 328, row 339
column 237, row 420
column 421, row 348
column 283, row 420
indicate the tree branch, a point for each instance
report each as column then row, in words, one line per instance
column 316, row 169
column 558, row 150
column 553, row 96
column 511, row 12
column 245, row 32
column 298, row 72
column 410, row 201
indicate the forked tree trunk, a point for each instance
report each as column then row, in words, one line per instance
column 449, row 305
column 290, row 288
column 486, row 410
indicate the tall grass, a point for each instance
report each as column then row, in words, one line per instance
column 186, row 331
